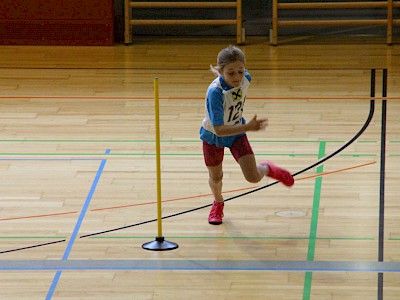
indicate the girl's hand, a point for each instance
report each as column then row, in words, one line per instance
column 256, row 125
column 253, row 125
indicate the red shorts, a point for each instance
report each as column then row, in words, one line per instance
column 214, row 155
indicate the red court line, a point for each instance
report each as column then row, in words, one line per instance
column 252, row 187
column 171, row 200
column 184, row 198
column 39, row 216
column 336, row 171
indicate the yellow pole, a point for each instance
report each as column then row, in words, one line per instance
column 158, row 151
column 159, row 244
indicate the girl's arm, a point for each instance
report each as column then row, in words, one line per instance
column 253, row 125
column 214, row 71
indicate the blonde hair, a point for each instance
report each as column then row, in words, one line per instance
column 225, row 57
column 229, row 55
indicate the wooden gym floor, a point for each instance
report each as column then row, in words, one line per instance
column 78, row 173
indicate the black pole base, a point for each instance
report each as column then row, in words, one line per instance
column 159, row 245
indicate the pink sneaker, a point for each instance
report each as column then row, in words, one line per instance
column 279, row 174
column 216, row 213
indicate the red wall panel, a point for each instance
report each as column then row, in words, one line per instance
column 56, row 22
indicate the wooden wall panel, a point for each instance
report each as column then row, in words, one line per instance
column 56, row 22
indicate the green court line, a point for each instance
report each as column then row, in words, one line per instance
column 165, row 141
column 204, row 237
column 152, row 141
column 170, row 154
column 239, row 237
column 314, row 223
column 52, row 154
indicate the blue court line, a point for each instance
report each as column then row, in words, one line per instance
column 199, row 265
column 77, row 226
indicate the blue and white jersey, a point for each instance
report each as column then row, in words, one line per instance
column 223, row 106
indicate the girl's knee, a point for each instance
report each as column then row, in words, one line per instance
column 253, row 178
column 216, row 178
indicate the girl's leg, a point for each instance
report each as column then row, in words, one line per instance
column 278, row 173
column 215, row 182
column 254, row 173
column 213, row 157
column 251, row 171
column 244, row 155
